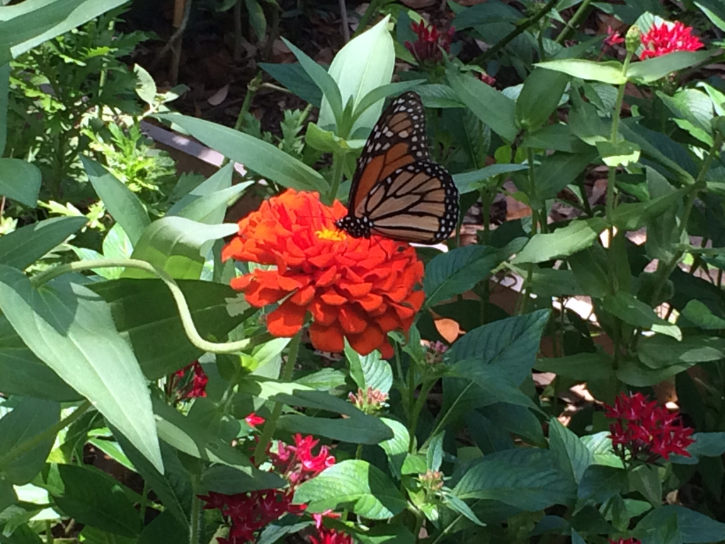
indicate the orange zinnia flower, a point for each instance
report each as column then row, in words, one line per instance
column 355, row 288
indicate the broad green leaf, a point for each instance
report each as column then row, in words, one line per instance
column 330, row 90
column 28, row 24
column 659, row 351
column 715, row 11
column 646, row 480
column 486, row 13
column 559, row 170
column 475, row 180
column 539, row 98
column 4, row 88
column 701, row 316
column 515, row 419
column 632, row 310
column 470, row 134
column 369, row 370
column 493, row 384
column 693, row 111
column 457, row 505
column 529, row 481
column 29, row 417
column 26, row 245
column 486, row 103
column 20, row 180
column 588, row 70
column 585, row 123
column 382, row 92
column 662, row 149
column 580, row 367
column 328, row 142
column 693, row 526
column 590, row 270
column 656, row 68
column 365, row 63
column 174, row 245
column 145, row 85
column 156, row 334
column 707, row 444
column 91, row 535
column 22, row 373
column 573, row 456
column 635, row 216
column 294, row 77
column 600, row 482
column 263, row 158
column 437, row 95
column 220, row 180
column 257, row 19
column 94, row 498
column 123, row 205
column 457, row 271
column 563, row 242
column 622, row 153
column 558, row 137
column 396, row 448
column 510, row 344
column 355, row 485
column 71, row 329
column 390, row 533
column 164, row 528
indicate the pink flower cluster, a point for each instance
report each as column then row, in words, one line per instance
column 667, row 38
column 197, row 387
column 646, row 431
column 250, row 512
column 430, row 41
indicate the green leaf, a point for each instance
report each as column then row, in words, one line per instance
column 563, row 242
column 4, row 88
column 71, row 329
column 29, row 418
column 658, row 351
column 558, row 137
column 493, row 383
column 646, row 480
column 294, row 77
column 457, row 505
column 510, row 344
column 559, row 170
column 263, row 158
column 473, row 181
column 486, row 103
column 156, row 334
column 457, row 271
column 174, row 245
column 205, row 203
column 256, row 18
column 145, row 85
column 164, row 528
column 633, row 372
column 91, row 535
column 379, row 93
column 622, row 153
column 539, row 98
column 580, row 367
column 121, row 203
column 599, row 483
column 590, row 270
column 369, row 370
column 94, row 498
column 650, row 70
column 20, row 180
column 362, row 65
column 354, row 485
column 573, row 456
column 662, row 149
column 714, row 10
column 635, row 216
column 528, row 480
column 437, row 95
column 588, row 70
column 391, row 533
column 331, row 94
column 701, row 316
column 26, row 245
column 28, row 24
column 632, row 310
column 328, row 142
column 693, row 526
column 693, row 111
column 396, row 448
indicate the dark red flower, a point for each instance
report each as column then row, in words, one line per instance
column 645, row 431
column 488, row 80
column 667, row 37
column 430, row 41
column 197, row 387
column 253, row 420
column 330, row 536
column 613, row 37
column 297, row 463
column 357, row 289
column 623, row 541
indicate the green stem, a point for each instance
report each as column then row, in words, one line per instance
column 49, row 532
column 144, row 502
column 338, row 161
column 574, row 21
column 195, row 511
column 187, row 320
column 525, row 298
column 520, row 29
column 417, row 409
column 49, row 433
column 365, row 19
column 448, row 529
column 252, row 89
column 260, row 452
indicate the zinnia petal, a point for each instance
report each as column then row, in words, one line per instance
column 327, row 338
column 286, row 320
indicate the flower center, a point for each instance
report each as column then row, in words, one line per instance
column 330, row 234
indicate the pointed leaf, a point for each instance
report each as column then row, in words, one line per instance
column 26, row 245
column 563, row 242
column 20, row 180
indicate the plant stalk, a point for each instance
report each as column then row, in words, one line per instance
column 574, row 21
column 338, row 161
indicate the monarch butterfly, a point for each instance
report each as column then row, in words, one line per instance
column 397, row 191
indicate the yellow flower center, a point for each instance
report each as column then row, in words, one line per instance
column 335, row 235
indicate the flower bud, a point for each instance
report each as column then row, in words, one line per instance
column 633, row 39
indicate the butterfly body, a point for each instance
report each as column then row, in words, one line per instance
column 397, row 191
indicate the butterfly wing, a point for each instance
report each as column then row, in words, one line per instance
column 397, row 139
column 418, row 202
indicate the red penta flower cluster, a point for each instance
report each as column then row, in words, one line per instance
column 248, row 513
column 355, row 288
column 645, row 431
column 430, row 41
column 666, row 38
column 623, row 541
column 197, row 386
column 613, row 37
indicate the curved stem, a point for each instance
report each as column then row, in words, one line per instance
column 187, row 320
column 49, row 433
column 338, row 160
column 260, row 452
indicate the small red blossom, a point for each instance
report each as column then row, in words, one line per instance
column 253, row 420
column 357, row 289
column 646, row 431
column 330, row 536
column 197, row 387
column 613, row 37
column 297, row 463
column 667, row 37
column 623, row 541
column 429, row 42
column 487, row 79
